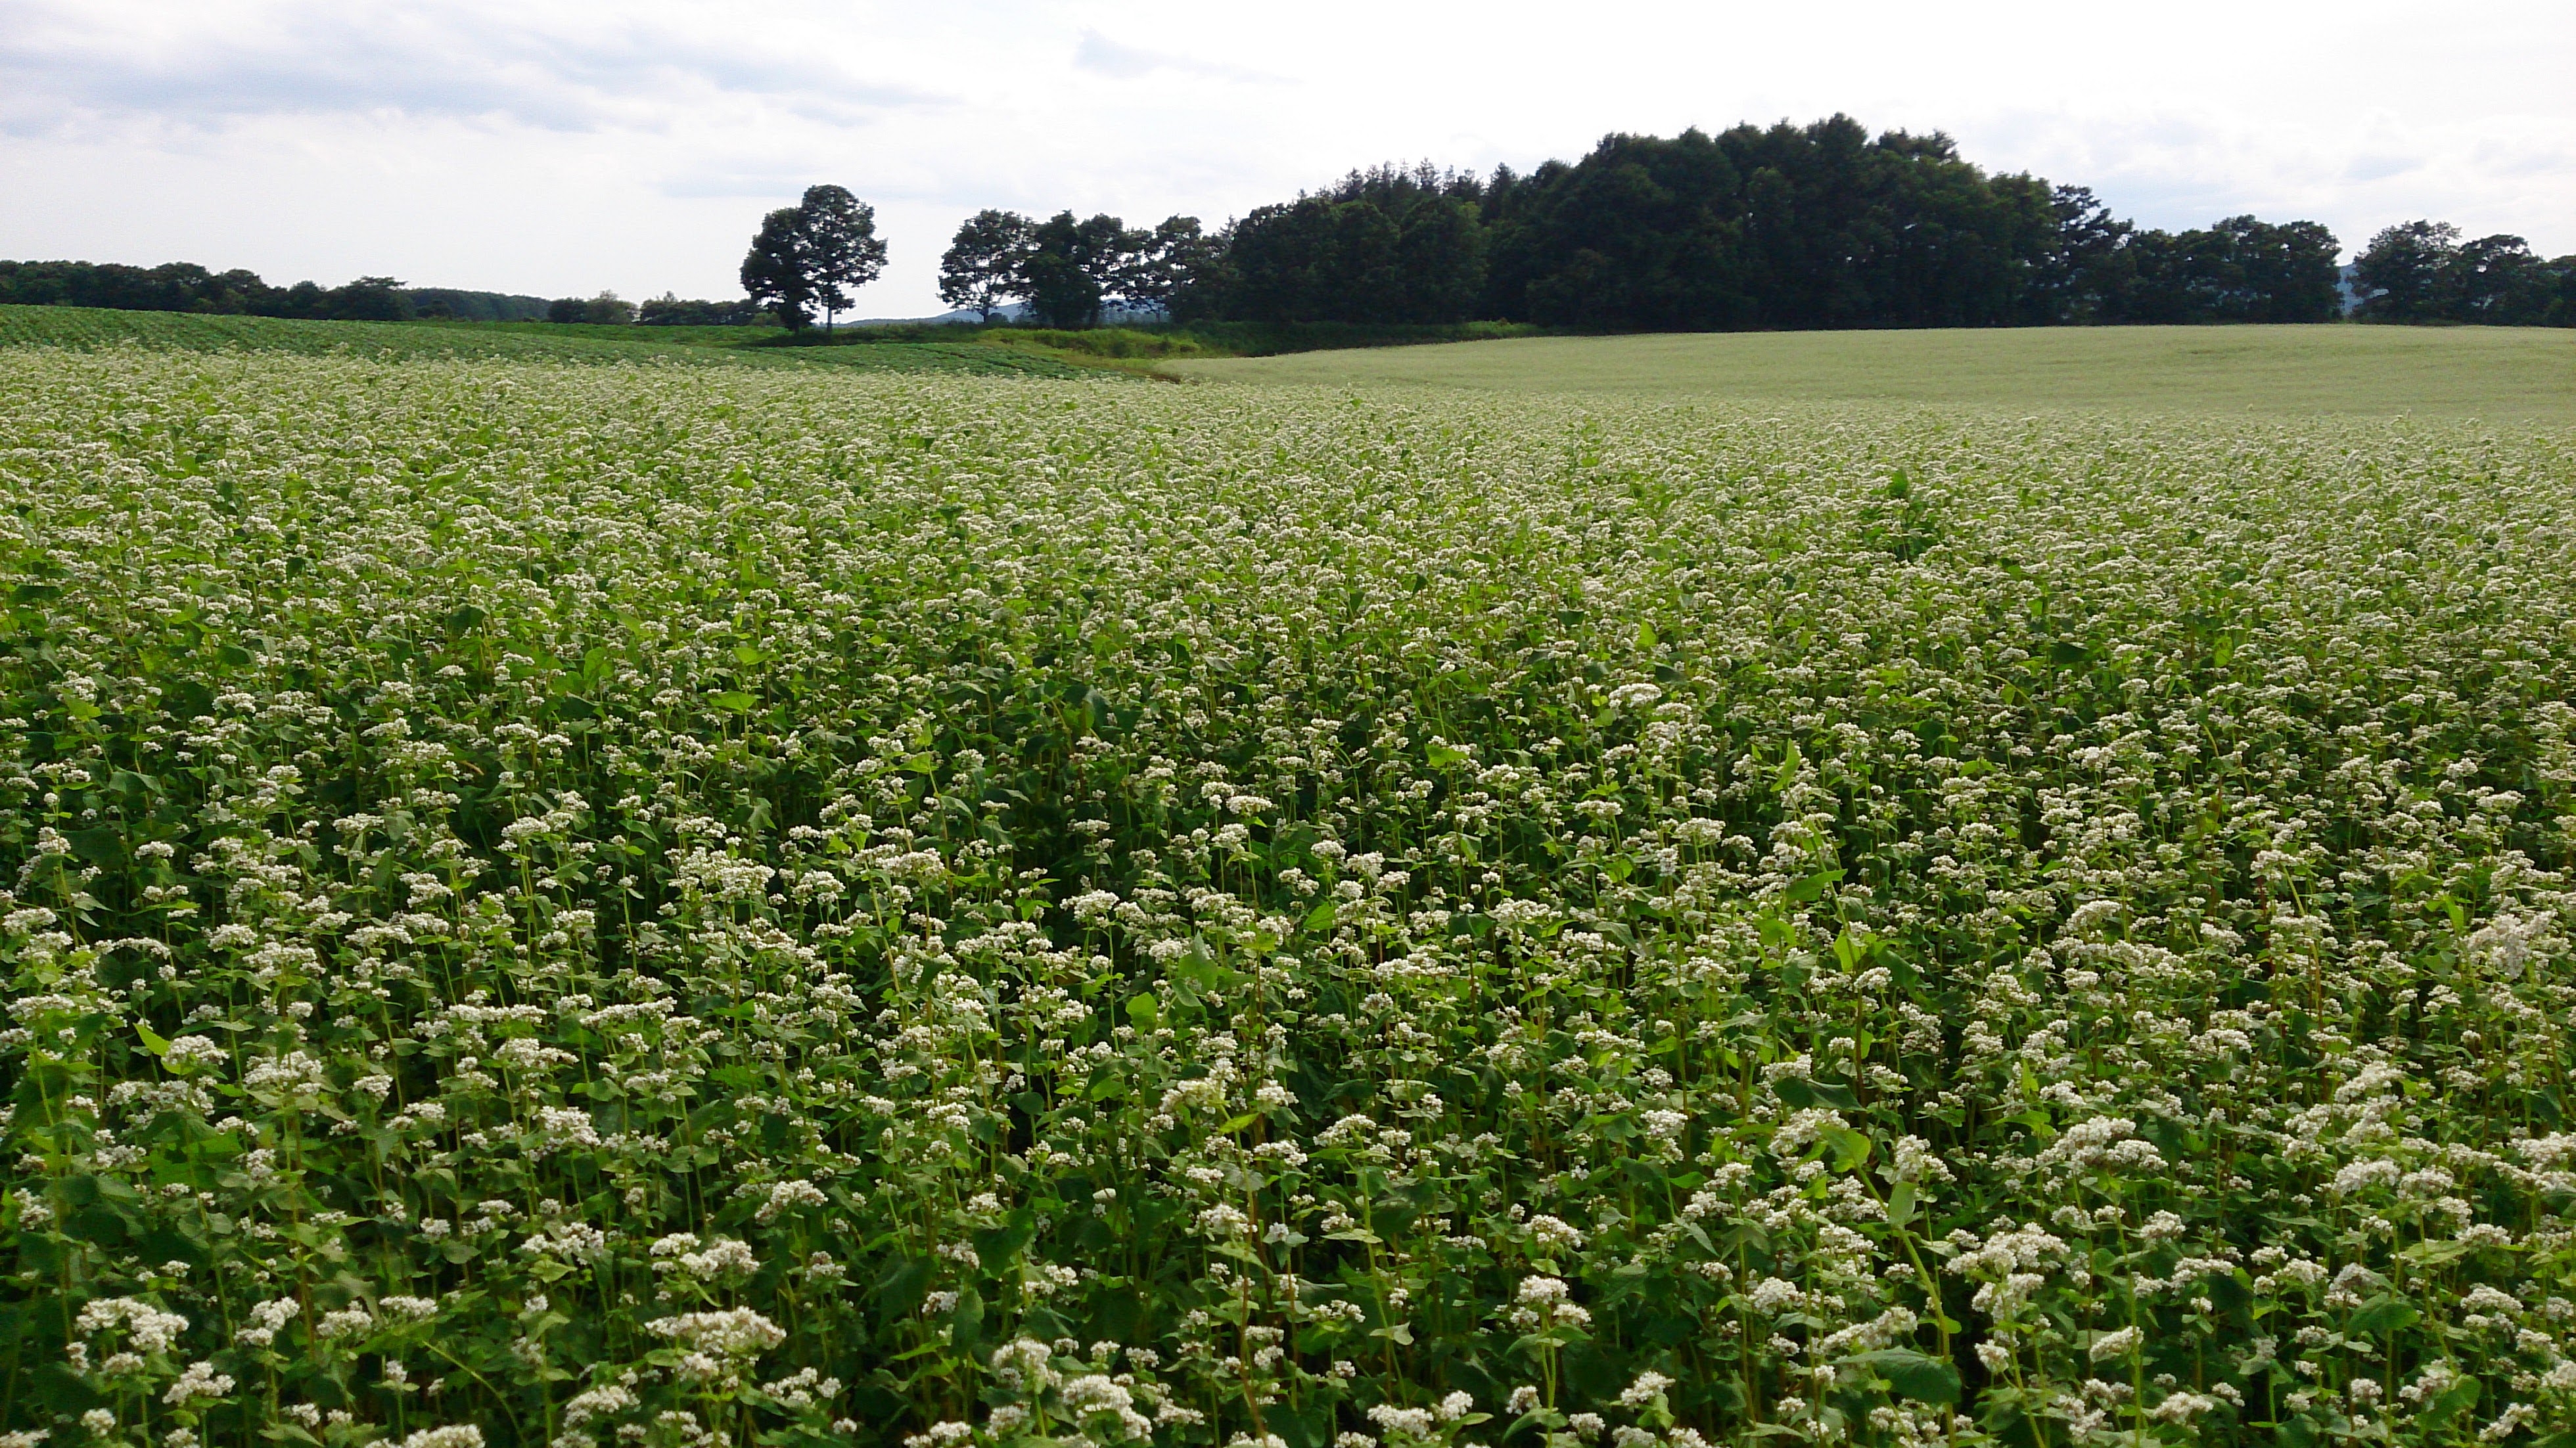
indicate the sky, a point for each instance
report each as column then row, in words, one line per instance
column 557, row 148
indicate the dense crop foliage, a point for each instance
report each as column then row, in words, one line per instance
column 582, row 906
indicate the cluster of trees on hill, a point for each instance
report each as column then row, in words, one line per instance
column 2421, row 271
column 1785, row 227
column 1068, row 271
column 607, row 309
column 1781, row 227
column 467, row 306
column 668, row 310
column 187, row 287
column 181, row 286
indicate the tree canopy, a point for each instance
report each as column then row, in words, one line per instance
column 1780, row 227
column 188, row 287
column 1067, row 270
column 2421, row 271
column 804, row 256
column 981, row 267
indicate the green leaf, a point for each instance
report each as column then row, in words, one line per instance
column 998, row 1246
column 2457, row 1399
column 1143, row 1012
column 749, row 657
column 1849, row 1146
column 1808, row 887
column 2382, row 1314
column 733, row 701
column 152, row 1041
column 1646, row 636
column 902, row 1286
column 1913, row 1374
column 1848, row 950
column 1320, row 919
column 1900, row 1204
column 1800, row 1093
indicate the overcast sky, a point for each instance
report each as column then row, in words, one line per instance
column 555, row 148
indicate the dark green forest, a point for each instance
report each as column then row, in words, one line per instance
column 1784, row 227
column 181, row 286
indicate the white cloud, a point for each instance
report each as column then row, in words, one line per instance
column 557, row 146
column 1099, row 53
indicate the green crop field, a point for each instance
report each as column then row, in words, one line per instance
column 558, row 906
column 2499, row 374
column 90, row 328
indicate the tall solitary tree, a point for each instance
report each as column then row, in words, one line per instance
column 982, row 267
column 804, row 255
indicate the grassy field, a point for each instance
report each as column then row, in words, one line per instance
column 89, row 328
column 557, row 906
column 2495, row 373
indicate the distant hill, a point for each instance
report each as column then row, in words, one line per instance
column 91, row 328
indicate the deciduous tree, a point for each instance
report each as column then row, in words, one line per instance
column 774, row 273
column 2400, row 273
column 983, row 263
column 1070, row 267
column 805, row 255
column 841, row 245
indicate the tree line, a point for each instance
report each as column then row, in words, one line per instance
column 1815, row 226
column 2421, row 271
column 187, row 287
column 1066, row 271
column 1776, row 227
column 1779, row 227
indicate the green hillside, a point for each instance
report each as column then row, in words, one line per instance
column 90, row 328
column 2505, row 374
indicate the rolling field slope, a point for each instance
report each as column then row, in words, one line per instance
column 2502, row 374
column 88, row 328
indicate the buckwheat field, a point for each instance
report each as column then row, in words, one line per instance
column 653, row 906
